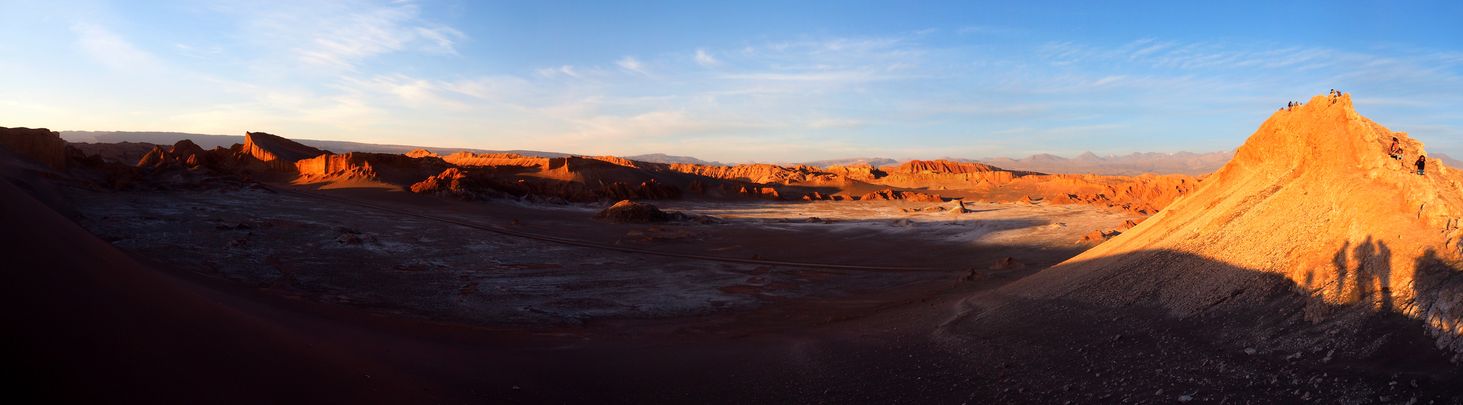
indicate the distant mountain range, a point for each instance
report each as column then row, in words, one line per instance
column 667, row 159
column 211, row 141
column 1120, row 165
column 1448, row 160
column 871, row 161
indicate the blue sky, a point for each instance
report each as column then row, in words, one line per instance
column 742, row 81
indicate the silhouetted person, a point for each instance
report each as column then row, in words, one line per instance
column 1421, row 165
column 1395, row 151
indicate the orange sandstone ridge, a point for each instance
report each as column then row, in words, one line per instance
column 268, row 157
column 1312, row 219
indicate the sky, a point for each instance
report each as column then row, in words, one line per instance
column 735, row 82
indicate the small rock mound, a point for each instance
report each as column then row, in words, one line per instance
column 1007, row 263
column 891, row 194
column 630, row 212
column 1098, row 236
column 421, row 153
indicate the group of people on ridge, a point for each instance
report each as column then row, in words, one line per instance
column 1395, row 151
column 1333, row 94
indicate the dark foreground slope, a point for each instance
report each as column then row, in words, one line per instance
column 86, row 322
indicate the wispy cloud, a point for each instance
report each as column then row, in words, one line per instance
column 564, row 70
column 705, row 59
column 107, row 48
column 811, row 76
column 629, row 63
column 343, row 35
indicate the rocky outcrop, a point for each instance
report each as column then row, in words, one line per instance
column 943, row 174
column 940, row 167
column 762, row 192
column 1142, row 195
column 861, row 172
column 473, row 183
column 630, row 212
column 1098, row 236
column 453, row 182
column 184, row 154
column 333, row 166
column 384, row 167
column 891, row 194
column 421, row 153
column 470, row 159
column 759, row 173
column 39, row 145
column 276, row 151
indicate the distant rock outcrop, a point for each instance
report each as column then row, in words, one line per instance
column 421, row 153
column 944, row 174
column 453, row 182
column 860, row 172
column 469, row 159
column 940, row 167
column 759, row 173
column 630, row 212
column 185, row 153
column 276, row 151
column 40, row 145
column 891, row 194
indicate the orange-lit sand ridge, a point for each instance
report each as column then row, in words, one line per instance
column 1311, row 197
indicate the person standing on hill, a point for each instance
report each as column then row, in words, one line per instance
column 1421, row 165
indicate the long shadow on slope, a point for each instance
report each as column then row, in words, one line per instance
column 1362, row 278
column 1191, row 314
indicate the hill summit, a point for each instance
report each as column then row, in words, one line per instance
column 1311, row 220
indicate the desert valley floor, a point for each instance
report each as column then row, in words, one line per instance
column 515, row 302
column 452, row 260
column 271, row 271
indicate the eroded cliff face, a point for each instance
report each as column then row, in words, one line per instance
column 760, row 173
column 39, row 144
column 1312, row 198
column 276, row 151
column 469, row 159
